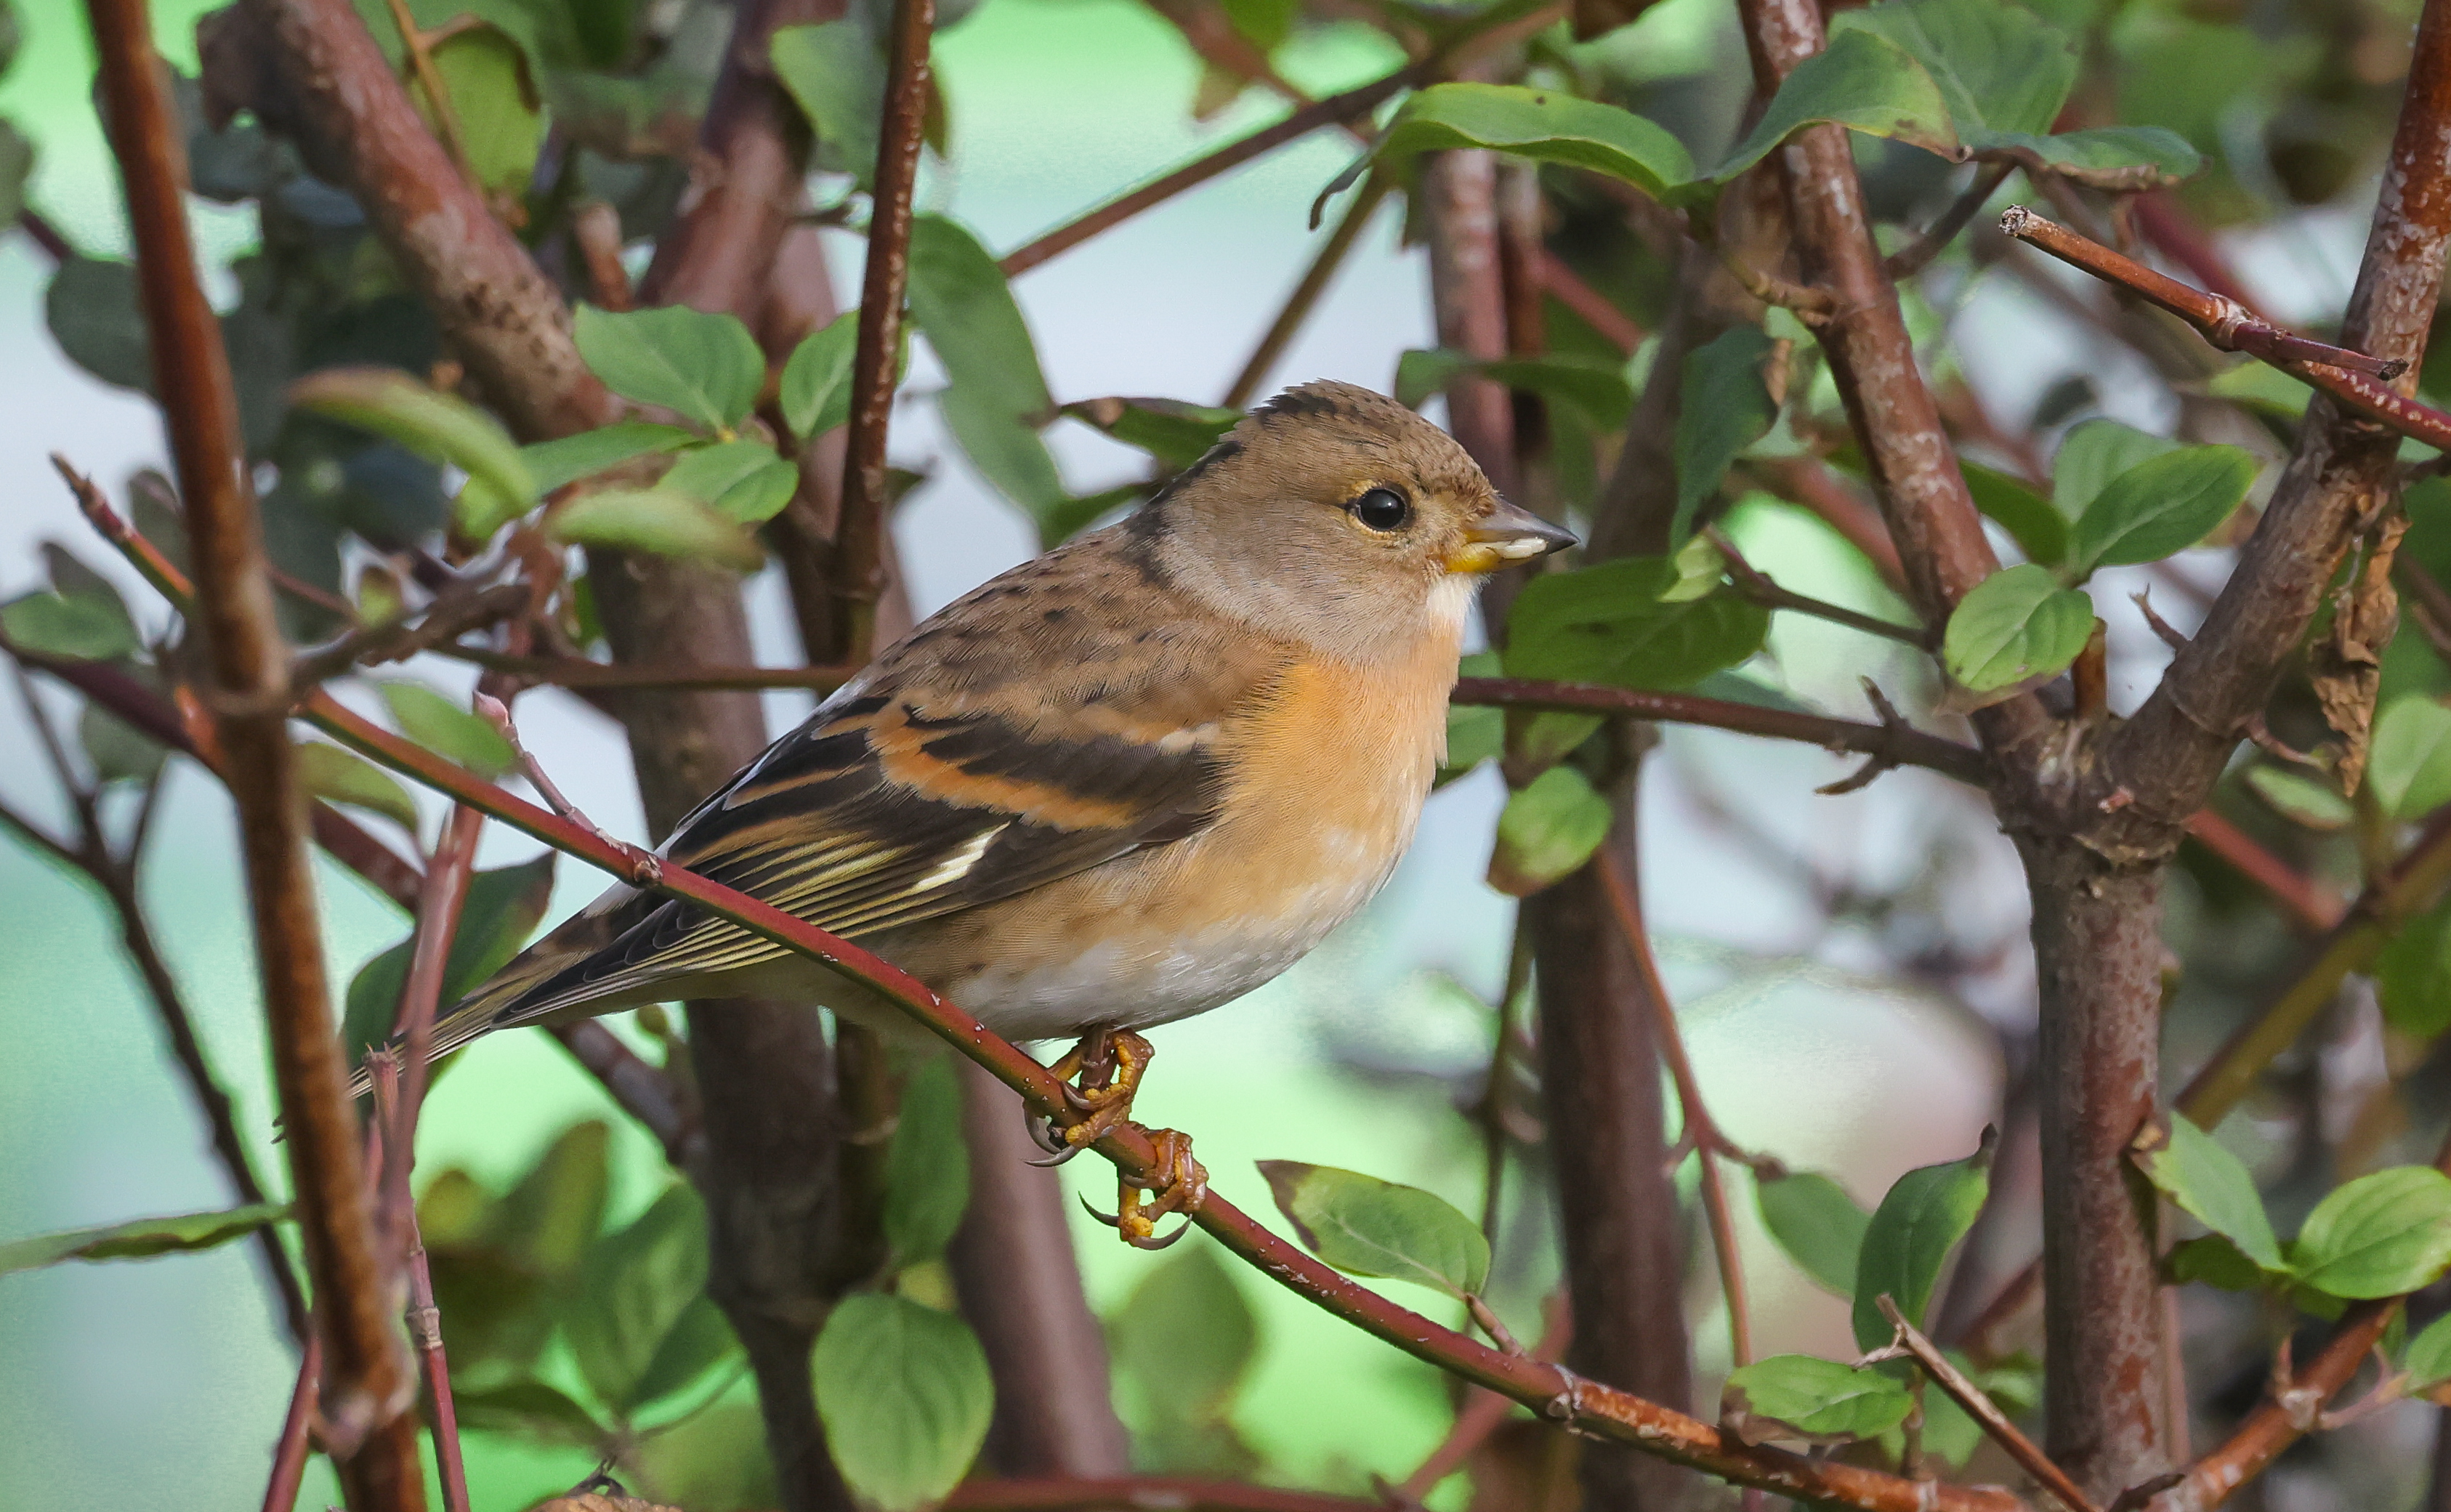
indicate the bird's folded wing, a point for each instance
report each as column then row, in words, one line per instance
column 897, row 804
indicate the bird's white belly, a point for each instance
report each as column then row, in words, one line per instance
column 1133, row 978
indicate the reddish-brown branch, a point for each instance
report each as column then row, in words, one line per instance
column 1590, row 305
column 2175, row 236
column 2295, row 892
column 1702, row 1131
column 289, row 1453
column 1899, row 745
column 1917, row 255
column 577, row 673
column 859, row 536
column 438, row 923
column 373, row 1440
column 1986, row 1412
column 1481, row 1412
column 1351, row 104
column 2223, row 322
column 1575, row 1401
column 1307, row 292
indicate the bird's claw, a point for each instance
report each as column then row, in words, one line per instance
column 1178, row 1185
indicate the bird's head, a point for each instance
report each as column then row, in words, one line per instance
column 1339, row 516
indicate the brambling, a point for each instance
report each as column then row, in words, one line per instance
column 1116, row 785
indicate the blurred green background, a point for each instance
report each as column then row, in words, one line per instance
column 163, row 1382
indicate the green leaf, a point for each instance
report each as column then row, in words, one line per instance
column 1821, row 1401
column 1548, row 829
column 527, row 1407
column 1999, row 69
column 119, row 751
column 1365, row 1227
column 1608, row 624
column 997, row 397
column 142, row 1238
column 2428, row 1360
column 2413, row 974
column 2017, row 625
column 2408, row 764
column 438, row 725
column 93, row 310
column 2160, row 506
column 87, row 627
column 2379, row 1236
column 735, row 478
column 2303, row 799
column 2209, row 1183
column 1009, row 453
column 1908, row 1241
column 2216, row 1262
column 1175, row 432
column 660, row 521
column 837, row 74
column 436, row 426
column 503, row 910
column 557, row 464
column 706, row 368
column 1725, row 407
column 1861, row 80
column 1546, row 126
column 698, row 1340
column 1818, row 1224
column 343, row 776
column 2027, row 515
column 961, row 302
column 928, row 1168
column 815, row 395
column 2112, row 157
column 1593, row 387
column 501, row 118
column 633, row 1288
column 905, row 1396
column 1186, row 1340
column 2093, row 454
column 16, row 167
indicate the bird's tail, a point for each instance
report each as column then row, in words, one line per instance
column 501, row 1000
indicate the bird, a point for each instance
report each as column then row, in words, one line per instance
column 1117, row 785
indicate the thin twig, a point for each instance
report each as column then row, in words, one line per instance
column 1336, row 108
column 372, row 1438
column 1482, row 1411
column 438, row 924
column 1979, row 1406
column 1592, row 307
column 1307, row 292
column 1897, row 743
column 1916, row 255
column 860, row 538
column 1702, row 1130
column 2355, row 378
column 289, row 1453
column 578, row 673
column 445, row 619
column 437, row 94
column 1758, row 588
column 2297, row 894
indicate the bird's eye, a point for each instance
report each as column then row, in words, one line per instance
column 1382, row 509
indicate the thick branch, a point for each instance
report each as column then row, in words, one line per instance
column 368, row 1381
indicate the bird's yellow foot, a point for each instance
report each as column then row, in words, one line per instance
column 1177, row 1184
column 1101, row 1074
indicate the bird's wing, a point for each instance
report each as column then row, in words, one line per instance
column 1021, row 737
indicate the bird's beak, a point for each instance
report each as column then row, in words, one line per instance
column 1505, row 536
